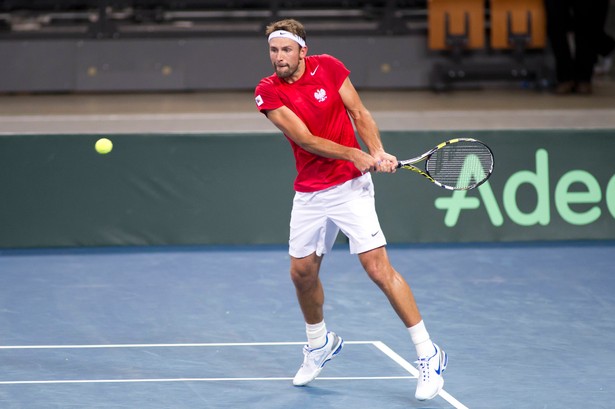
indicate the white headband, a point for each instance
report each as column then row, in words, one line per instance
column 287, row 34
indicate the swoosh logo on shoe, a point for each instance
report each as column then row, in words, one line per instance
column 315, row 69
column 439, row 371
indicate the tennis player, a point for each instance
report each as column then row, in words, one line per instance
column 312, row 101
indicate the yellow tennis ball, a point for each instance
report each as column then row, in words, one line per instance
column 103, row 146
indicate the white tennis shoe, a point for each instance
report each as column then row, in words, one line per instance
column 315, row 359
column 430, row 380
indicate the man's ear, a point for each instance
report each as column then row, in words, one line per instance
column 303, row 52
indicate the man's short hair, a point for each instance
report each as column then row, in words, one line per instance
column 289, row 24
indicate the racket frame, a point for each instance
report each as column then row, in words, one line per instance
column 409, row 164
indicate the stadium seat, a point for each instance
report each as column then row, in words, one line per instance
column 518, row 24
column 517, row 34
column 456, row 24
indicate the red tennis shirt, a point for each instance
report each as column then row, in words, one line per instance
column 315, row 99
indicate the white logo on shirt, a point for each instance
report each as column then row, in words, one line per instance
column 315, row 69
column 320, row 95
column 259, row 100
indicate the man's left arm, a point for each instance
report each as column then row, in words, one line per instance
column 366, row 127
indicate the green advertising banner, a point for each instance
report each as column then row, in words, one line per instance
column 547, row 185
column 156, row 189
column 56, row 190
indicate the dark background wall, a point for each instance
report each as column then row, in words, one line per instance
column 195, row 64
column 124, row 45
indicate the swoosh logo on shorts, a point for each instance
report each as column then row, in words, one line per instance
column 374, row 234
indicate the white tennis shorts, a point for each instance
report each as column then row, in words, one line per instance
column 317, row 218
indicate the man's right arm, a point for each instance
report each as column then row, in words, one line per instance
column 293, row 127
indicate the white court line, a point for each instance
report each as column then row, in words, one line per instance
column 408, row 367
column 166, row 380
column 378, row 344
column 199, row 345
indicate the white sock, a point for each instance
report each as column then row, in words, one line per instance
column 421, row 340
column 316, row 334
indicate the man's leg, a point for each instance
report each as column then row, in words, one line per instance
column 376, row 264
column 586, row 32
column 432, row 360
column 558, row 25
column 322, row 345
column 305, row 275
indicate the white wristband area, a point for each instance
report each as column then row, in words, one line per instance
column 287, row 34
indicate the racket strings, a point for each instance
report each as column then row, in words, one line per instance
column 463, row 165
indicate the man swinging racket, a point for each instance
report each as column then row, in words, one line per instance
column 311, row 100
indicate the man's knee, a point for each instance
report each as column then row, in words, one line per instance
column 378, row 268
column 304, row 271
column 382, row 275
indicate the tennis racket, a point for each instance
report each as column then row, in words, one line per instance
column 457, row 164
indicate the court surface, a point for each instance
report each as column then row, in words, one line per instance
column 525, row 326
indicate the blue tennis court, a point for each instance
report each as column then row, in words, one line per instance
column 525, row 325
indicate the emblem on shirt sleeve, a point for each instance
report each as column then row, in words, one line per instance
column 259, row 100
column 320, row 95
